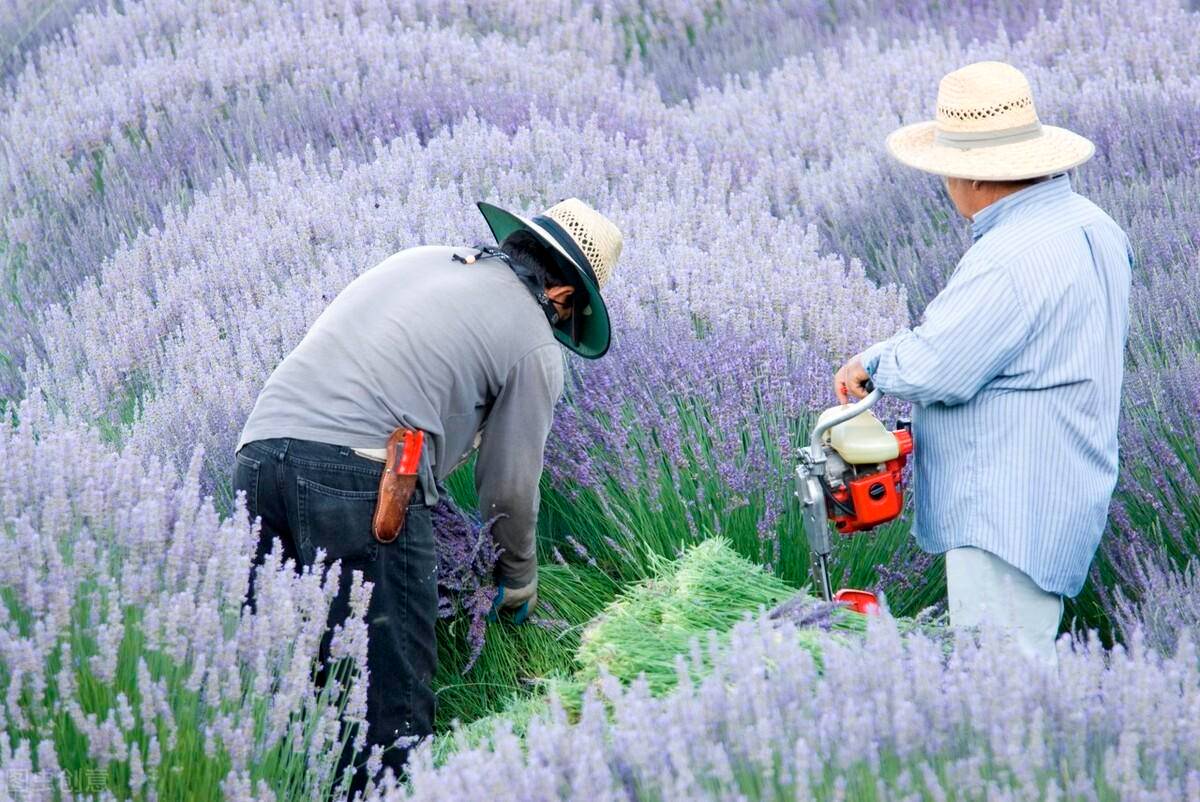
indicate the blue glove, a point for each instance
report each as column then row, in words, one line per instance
column 518, row 601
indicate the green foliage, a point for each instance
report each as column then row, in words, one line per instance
column 625, row 537
column 698, row 597
column 516, row 716
column 669, row 506
column 516, row 659
column 701, row 595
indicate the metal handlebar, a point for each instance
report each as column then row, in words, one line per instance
column 853, row 411
column 811, row 492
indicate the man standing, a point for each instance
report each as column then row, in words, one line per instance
column 459, row 344
column 1015, row 371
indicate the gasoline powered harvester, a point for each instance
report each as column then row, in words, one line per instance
column 850, row 476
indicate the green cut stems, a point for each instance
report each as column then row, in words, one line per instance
column 682, row 612
column 516, row 659
column 700, row 596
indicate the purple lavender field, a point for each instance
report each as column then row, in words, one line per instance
column 184, row 185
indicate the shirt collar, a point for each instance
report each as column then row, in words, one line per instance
column 989, row 216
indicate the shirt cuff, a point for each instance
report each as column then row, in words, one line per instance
column 870, row 357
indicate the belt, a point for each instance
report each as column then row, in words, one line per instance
column 380, row 454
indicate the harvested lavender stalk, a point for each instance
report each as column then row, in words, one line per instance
column 466, row 559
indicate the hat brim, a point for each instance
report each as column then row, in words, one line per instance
column 1054, row 151
column 594, row 331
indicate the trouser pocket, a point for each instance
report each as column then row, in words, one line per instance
column 336, row 521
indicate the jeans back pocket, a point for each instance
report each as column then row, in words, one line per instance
column 336, row 520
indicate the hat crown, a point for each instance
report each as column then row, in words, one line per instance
column 985, row 96
column 597, row 237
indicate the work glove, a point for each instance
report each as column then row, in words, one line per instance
column 517, row 601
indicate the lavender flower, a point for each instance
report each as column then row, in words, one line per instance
column 466, row 558
column 218, row 176
column 133, row 587
column 769, row 724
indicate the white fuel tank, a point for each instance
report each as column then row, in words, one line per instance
column 862, row 440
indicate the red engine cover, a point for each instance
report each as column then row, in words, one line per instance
column 874, row 498
column 860, row 601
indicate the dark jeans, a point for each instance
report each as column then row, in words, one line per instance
column 315, row 495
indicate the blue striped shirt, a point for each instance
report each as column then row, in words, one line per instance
column 1015, row 377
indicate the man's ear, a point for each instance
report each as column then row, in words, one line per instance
column 561, row 294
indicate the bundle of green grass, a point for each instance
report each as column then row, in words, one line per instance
column 648, row 626
column 699, row 596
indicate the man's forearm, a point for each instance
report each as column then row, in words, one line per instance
column 920, row 379
column 508, row 493
column 971, row 331
column 516, row 537
column 882, row 365
column 509, row 467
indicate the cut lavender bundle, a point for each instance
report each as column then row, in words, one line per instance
column 466, row 559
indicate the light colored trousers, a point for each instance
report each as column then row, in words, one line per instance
column 984, row 588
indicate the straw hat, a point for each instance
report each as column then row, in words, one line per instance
column 987, row 128
column 589, row 244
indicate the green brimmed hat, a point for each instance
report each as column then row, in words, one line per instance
column 589, row 245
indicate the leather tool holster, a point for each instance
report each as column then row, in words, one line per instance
column 396, row 486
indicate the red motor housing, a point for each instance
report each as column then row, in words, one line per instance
column 860, row 601
column 869, row 499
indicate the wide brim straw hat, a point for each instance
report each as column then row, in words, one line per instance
column 589, row 245
column 987, row 128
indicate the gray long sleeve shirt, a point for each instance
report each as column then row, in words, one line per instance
column 423, row 341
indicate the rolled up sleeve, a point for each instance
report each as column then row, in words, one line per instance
column 509, row 466
column 971, row 331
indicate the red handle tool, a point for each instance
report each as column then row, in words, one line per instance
column 410, row 454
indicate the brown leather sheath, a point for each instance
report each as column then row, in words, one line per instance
column 395, row 490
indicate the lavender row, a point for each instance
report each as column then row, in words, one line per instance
column 279, row 246
column 816, row 126
column 894, row 717
column 94, row 161
column 87, row 170
column 735, row 163
column 125, row 643
column 785, row 145
column 193, row 85
column 744, row 38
